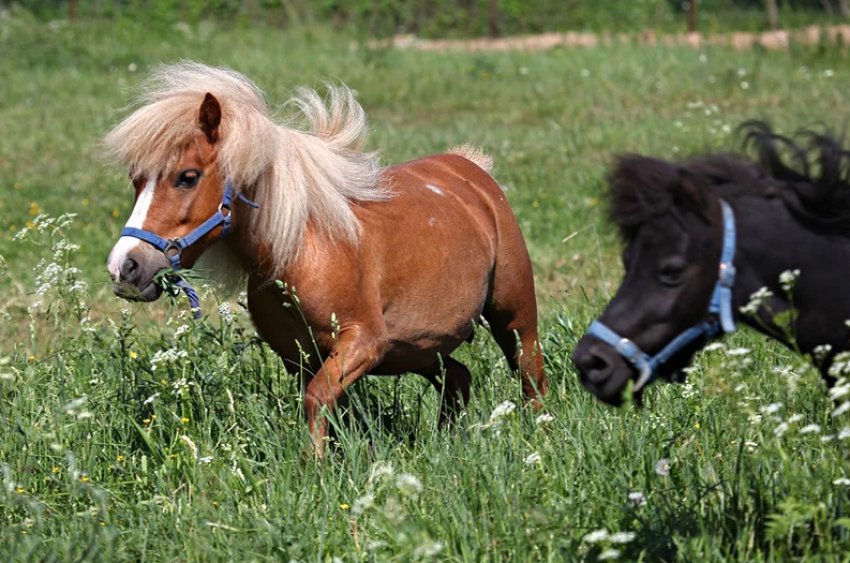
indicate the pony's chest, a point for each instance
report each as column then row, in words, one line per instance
column 281, row 323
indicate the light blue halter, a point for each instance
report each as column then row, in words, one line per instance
column 173, row 248
column 720, row 309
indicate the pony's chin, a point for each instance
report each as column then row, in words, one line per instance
column 610, row 390
column 150, row 292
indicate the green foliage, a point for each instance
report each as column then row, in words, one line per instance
column 446, row 18
column 132, row 432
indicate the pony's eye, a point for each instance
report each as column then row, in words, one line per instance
column 671, row 271
column 187, row 179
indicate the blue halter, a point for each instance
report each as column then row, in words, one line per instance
column 173, row 248
column 720, row 307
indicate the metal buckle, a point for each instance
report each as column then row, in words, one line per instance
column 173, row 248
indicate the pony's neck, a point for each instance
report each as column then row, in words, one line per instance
column 772, row 241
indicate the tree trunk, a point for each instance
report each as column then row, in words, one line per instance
column 827, row 7
column 492, row 20
column 843, row 8
column 772, row 14
column 73, row 10
column 692, row 16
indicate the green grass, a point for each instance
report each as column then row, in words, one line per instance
column 214, row 466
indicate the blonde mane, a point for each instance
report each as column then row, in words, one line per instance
column 295, row 175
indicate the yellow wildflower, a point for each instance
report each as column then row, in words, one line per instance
column 344, row 506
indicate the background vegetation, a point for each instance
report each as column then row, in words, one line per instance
column 131, row 432
column 448, row 18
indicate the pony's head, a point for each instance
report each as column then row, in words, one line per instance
column 202, row 137
column 673, row 234
column 203, row 140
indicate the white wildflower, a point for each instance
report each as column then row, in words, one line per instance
column 637, row 498
column 842, row 408
column 380, row 469
column 771, row 408
column 780, row 429
column 797, row 417
column 502, row 410
column 73, row 406
column 166, row 357
column 531, row 459
column 738, row 352
column 810, row 428
column 151, row 399
column 408, row 484
column 821, row 351
column 225, row 313
column 362, row 504
column 544, row 418
column 622, row 537
column 788, row 278
column 608, row 554
column 662, row 467
column 757, row 299
column 842, row 481
column 427, row 549
column 844, row 433
column 596, row 536
column 714, row 346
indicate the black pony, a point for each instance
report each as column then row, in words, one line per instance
column 705, row 236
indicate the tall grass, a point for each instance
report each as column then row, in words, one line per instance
column 133, row 432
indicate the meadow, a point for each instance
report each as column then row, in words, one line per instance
column 132, row 432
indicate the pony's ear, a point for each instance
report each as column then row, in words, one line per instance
column 209, row 117
column 691, row 195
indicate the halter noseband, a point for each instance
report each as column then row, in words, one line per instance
column 720, row 309
column 173, row 248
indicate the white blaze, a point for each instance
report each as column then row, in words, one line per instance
column 137, row 219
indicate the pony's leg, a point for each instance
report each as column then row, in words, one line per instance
column 515, row 331
column 354, row 354
column 451, row 379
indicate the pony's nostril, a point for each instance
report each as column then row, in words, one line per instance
column 129, row 270
column 597, row 363
column 596, row 368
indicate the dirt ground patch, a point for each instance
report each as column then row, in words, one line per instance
column 780, row 39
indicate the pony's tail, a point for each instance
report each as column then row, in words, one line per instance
column 475, row 154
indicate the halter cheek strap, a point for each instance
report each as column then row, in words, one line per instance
column 173, row 248
column 719, row 308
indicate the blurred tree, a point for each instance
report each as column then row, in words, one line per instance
column 692, row 15
column 772, row 14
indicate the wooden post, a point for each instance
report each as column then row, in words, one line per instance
column 772, row 14
column 692, row 16
column 492, row 20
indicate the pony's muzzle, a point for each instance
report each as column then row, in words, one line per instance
column 602, row 370
column 133, row 274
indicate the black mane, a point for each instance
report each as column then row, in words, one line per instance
column 811, row 177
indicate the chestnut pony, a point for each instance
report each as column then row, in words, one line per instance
column 379, row 270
